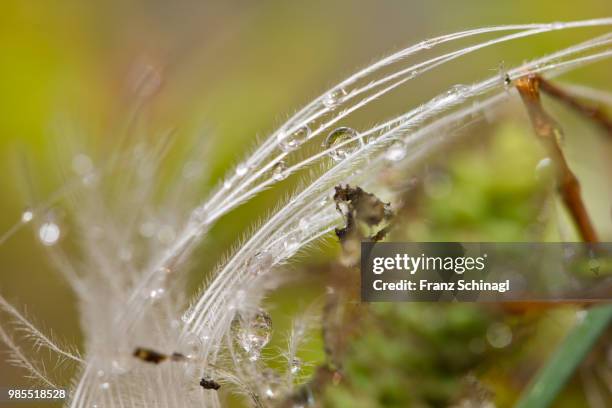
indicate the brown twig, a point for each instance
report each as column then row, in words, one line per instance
column 548, row 131
column 594, row 113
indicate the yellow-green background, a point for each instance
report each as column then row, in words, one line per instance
column 235, row 69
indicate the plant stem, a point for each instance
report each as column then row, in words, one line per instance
column 560, row 367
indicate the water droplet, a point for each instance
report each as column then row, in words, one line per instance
column 459, row 91
column 291, row 244
column 264, row 260
column 396, row 152
column 544, row 169
column 253, row 333
column 272, row 386
column 499, row 335
column 27, row 215
column 426, row 45
column 295, row 366
column 49, row 233
column 303, row 224
column 291, row 141
column 279, row 171
column 334, row 98
column 104, row 386
column 242, row 169
column 121, row 365
column 157, row 293
column 82, row 164
column 346, row 140
column 270, row 392
column 227, row 184
column 193, row 345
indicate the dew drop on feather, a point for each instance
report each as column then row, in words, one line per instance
column 253, row 333
column 396, row 152
column 294, row 139
column 279, row 171
column 334, row 98
column 344, row 141
column 242, row 169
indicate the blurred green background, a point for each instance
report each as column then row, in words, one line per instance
column 228, row 70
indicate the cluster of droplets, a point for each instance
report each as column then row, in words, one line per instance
column 252, row 333
column 48, row 233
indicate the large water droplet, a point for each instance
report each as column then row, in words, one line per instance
column 27, row 215
column 279, row 171
column 292, row 140
column 396, row 152
column 253, row 333
column 334, row 98
column 346, row 141
column 49, row 233
column 544, row 169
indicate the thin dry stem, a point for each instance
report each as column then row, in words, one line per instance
column 548, row 131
